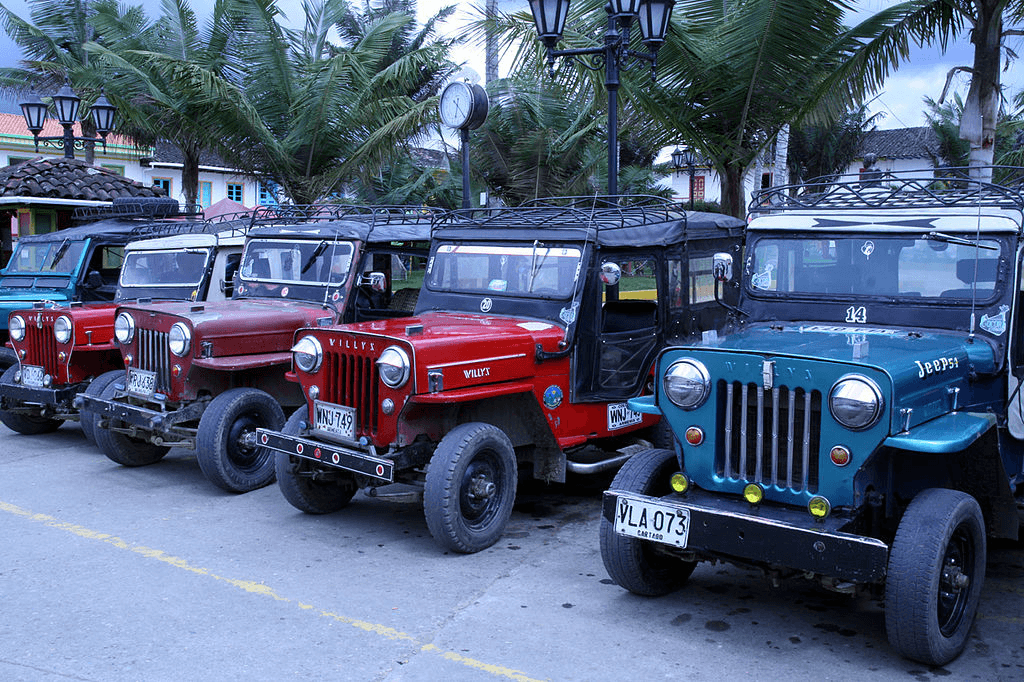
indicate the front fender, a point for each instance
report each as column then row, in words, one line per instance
column 946, row 434
column 644, row 405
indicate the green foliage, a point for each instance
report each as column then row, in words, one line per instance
column 825, row 151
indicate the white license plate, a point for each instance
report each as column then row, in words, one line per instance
column 652, row 521
column 32, row 376
column 141, row 382
column 335, row 420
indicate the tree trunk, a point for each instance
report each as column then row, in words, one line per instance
column 490, row 45
column 981, row 108
column 732, row 191
column 190, row 174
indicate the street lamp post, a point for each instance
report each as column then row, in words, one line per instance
column 686, row 158
column 652, row 17
column 65, row 104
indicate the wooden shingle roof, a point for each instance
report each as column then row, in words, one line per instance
column 60, row 178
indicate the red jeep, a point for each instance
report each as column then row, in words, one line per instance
column 525, row 346
column 64, row 348
column 203, row 376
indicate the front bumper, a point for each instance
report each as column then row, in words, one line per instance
column 772, row 536
column 329, row 455
column 156, row 426
column 57, row 402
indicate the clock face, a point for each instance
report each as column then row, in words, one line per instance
column 456, row 104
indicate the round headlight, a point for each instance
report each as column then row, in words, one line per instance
column 16, row 328
column 124, row 328
column 307, row 354
column 179, row 340
column 62, row 329
column 687, row 383
column 856, row 402
column 393, row 365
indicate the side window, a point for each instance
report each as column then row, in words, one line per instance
column 639, row 280
column 701, row 282
column 205, row 194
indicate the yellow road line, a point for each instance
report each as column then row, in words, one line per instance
column 266, row 591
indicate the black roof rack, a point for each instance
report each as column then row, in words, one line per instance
column 930, row 188
column 381, row 214
column 126, row 208
column 595, row 211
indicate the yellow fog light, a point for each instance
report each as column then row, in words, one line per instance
column 753, row 493
column 819, row 507
column 679, row 482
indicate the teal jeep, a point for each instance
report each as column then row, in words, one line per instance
column 861, row 422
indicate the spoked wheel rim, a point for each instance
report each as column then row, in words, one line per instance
column 243, row 451
column 480, row 490
column 957, row 574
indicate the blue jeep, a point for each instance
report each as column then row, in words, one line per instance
column 861, row 423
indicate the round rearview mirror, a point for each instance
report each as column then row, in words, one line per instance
column 610, row 274
column 722, row 267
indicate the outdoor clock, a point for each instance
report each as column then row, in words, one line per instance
column 463, row 105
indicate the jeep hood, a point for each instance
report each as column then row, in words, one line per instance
column 460, row 349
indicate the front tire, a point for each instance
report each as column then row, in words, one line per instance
column 88, row 419
column 637, row 565
column 25, row 423
column 303, row 491
column 936, row 572
column 470, row 487
column 226, row 443
column 125, row 450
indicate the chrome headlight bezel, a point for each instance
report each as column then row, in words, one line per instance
column 687, row 383
column 307, row 354
column 63, row 329
column 124, row 328
column 179, row 339
column 856, row 402
column 16, row 328
column 394, row 367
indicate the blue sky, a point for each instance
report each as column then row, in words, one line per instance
column 900, row 103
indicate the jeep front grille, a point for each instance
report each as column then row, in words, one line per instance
column 350, row 379
column 770, row 436
column 41, row 348
column 154, row 356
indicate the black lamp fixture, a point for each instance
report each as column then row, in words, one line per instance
column 66, row 105
column 686, row 157
column 653, row 16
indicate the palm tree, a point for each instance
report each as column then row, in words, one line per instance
column 824, row 151
column 53, row 51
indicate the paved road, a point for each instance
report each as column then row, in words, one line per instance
column 109, row 573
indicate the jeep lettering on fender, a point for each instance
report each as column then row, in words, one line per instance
column 861, row 425
column 533, row 328
column 204, row 376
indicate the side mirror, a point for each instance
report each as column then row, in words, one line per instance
column 375, row 280
column 610, row 274
column 722, row 267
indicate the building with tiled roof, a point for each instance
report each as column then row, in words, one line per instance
column 898, row 150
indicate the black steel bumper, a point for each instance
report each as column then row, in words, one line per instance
column 161, row 427
column 328, row 454
column 775, row 536
column 60, row 398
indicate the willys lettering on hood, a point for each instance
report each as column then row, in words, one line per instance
column 348, row 343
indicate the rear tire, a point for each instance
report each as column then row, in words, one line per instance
column 24, row 423
column 95, row 388
column 294, row 478
column 226, row 443
column 936, row 572
column 638, row 565
column 470, row 488
column 125, row 450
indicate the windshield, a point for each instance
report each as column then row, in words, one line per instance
column 56, row 256
column 913, row 267
column 307, row 262
column 168, row 268
column 527, row 270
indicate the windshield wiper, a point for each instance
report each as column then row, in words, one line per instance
column 59, row 253
column 320, row 248
column 962, row 241
column 534, row 265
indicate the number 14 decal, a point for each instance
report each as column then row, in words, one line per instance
column 857, row 314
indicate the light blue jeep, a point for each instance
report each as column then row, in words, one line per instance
column 861, row 423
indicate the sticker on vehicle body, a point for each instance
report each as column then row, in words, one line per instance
column 995, row 324
column 620, row 416
column 763, row 280
column 835, row 329
column 486, row 305
column 867, row 248
column 552, row 396
column 284, row 291
column 935, row 366
column 534, row 326
column 568, row 315
column 856, row 314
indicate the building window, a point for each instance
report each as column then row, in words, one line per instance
column 235, row 192
column 205, row 194
column 113, row 168
column 164, row 184
column 267, row 197
column 11, row 160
